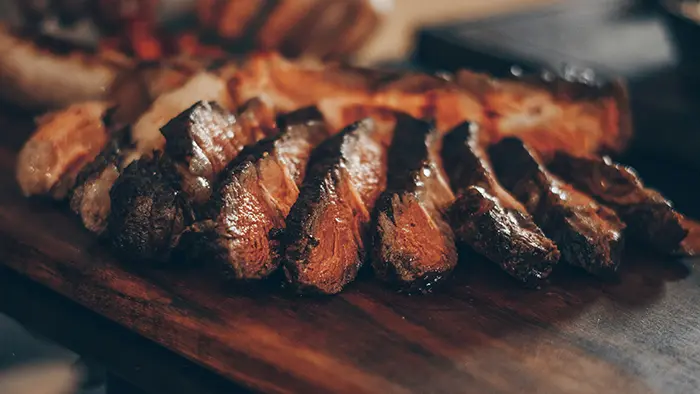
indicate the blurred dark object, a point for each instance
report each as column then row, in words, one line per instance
column 150, row 29
column 600, row 39
column 684, row 23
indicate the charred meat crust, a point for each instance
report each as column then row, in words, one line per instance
column 414, row 247
column 148, row 211
column 89, row 199
column 650, row 218
column 205, row 138
column 324, row 241
column 247, row 212
column 503, row 236
column 588, row 234
column 488, row 218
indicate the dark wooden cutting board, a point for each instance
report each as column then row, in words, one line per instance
column 482, row 334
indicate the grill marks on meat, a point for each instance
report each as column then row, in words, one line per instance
column 649, row 216
column 65, row 141
column 488, row 218
column 414, row 246
column 203, row 140
column 324, row 242
column 589, row 235
column 90, row 197
column 241, row 234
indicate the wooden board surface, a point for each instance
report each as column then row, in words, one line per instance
column 482, row 334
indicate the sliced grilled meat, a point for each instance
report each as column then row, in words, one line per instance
column 649, row 216
column 90, row 197
column 247, row 212
column 588, row 234
column 488, row 218
column 148, row 210
column 414, row 246
column 203, row 140
column 64, row 142
column 326, row 228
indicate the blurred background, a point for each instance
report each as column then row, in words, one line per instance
column 652, row 44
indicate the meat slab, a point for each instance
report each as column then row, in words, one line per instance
column 414, row 247
column 588, row 234
column 488, row 218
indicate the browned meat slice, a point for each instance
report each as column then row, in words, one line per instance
column 90, row 197
column 650, row 218
column 64, row 142
column 588, row 234
column 164, row 183
column 326, row 228
column 148, row 210
column 204, row 139
column 414, row 246
column 488, row 218
column 248, row 209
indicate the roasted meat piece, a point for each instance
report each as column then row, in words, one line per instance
column 324, row 239
column 588, row 234
column 65, row 141
column 204, row 86
column 488, row 218
column 89, row 198
column 40, row 73
column 553, row 113
column 414, row 246
column 247, row 212
column 148, row 210
column 650, row 218
column 203, row 140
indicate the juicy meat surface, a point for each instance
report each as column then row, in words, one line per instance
column 326, row 229
column 558, row 115
column 64, row 142
column 89, row 199
column 487, row 218
column 552, row 114
column 203, row 86
column 650, row 217
column 588, row 234
column 247, row 212
column 202, row 140
column 148, row 211
column 181, row 180
column 414, row 246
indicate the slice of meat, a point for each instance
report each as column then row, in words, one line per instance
column 89, row 198
column 414, row 246
column 64, row 142
column 650, row 218
column 38, row 73
column 247, row 212
column 553, row 114
column 148, row 211
column 324, row 239
column 204, row 86
column 487, row 218
column 204, row 139
column 588, row 234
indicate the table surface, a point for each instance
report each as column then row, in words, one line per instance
column 578, row 335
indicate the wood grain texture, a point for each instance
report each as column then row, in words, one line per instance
column 482, row 334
